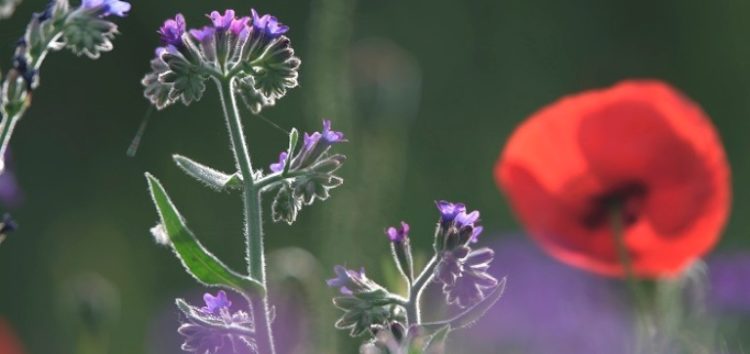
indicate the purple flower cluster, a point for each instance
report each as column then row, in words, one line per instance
column 461, row 270
column 314, row 146
column 457, row 226
column 107, row 7
column 267, row 26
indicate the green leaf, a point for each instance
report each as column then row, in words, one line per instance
column 198, row 261
column 211, row 178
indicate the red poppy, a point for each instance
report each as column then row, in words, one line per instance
column 9, row 343
column 640, row 144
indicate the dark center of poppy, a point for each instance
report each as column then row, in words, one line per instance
column 626, row 198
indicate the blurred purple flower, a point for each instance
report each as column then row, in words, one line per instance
column 108, row 7
column 11, row 195
column 730, row 282
column 548, row 308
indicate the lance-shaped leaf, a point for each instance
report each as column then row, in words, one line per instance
column 211, row 178
column 200, row 263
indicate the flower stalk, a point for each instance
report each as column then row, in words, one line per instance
column 83, row 30
column 249, row 60
column 644, row 323
column 255, row 256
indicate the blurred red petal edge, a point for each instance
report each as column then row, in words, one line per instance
column 9, row 341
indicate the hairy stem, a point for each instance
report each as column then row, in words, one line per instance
column 413, row 307
column 253, row 216
column 643, row 323
column 9, row 122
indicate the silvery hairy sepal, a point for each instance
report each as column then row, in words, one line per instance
column 461, row 270
column 251, row 52
column 215, row 329
column 309, row 171
column 365, row 303
column 395, row 338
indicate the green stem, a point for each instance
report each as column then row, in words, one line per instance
column 643, row 322
column 253, row 216
column 413, row 307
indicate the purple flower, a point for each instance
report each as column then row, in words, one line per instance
column 239, row 27
column 108, row 7
column 222, row 22
column 268, row 25
column 350, row 281
column 454, row 220
column 172, row 29
column 214, row 304
column 331, row 136
column 279, row 166
column 398, row 234
column 203, row 34
column 449, row 211
column 311, row 140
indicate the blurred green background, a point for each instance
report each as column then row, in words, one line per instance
column 427, row 92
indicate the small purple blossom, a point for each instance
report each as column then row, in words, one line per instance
column 331, row 136
column 268, row 25
column 449, row 211
column 108, row 7
column 279, row 166
column 222, row 22
column 214, row 304
column 239, row 27
column 203, row 34
column 398, row 234
column 311, row 140
column 350, row 281
column 172, row 30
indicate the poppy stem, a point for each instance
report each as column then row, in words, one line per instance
column 644, row 326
